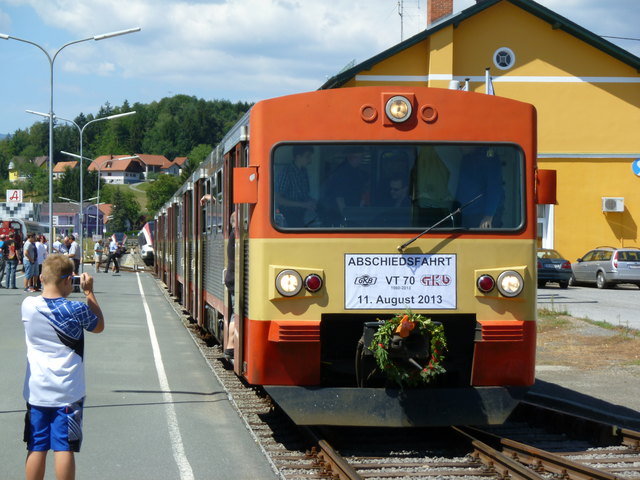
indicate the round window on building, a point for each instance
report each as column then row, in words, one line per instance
column 504, row 58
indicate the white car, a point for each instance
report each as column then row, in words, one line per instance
column 147, row 254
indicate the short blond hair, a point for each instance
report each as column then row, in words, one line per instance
column 56, row 268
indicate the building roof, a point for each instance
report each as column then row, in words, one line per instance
column 555, row 20
column 113, row 163
column 60, row 167
column 156, row 160
column 168, row 164
column 179, row 160
column 40, row 161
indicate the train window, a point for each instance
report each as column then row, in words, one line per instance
column 398, row 186
column 206, row 208
column 219, row 194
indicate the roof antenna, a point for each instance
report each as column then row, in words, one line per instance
column 401, row 13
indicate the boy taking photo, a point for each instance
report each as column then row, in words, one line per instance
column 54, row 385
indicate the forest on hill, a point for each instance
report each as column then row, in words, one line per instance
column 178, row 126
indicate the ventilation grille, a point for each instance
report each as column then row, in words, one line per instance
column 294, row 331
column 503, row 333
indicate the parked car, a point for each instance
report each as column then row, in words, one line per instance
column 552, row 268
column 607, row 267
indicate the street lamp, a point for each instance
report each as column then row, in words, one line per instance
column 52, row 59
column 99, row 167
column 81, row 133
column 80, row 218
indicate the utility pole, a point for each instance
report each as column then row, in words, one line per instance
column 401, row 13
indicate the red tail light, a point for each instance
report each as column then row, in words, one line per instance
column 615, row 260
column 566, row 266
column 313, row 283
column 486, row 283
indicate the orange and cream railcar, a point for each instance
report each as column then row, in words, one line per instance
column 353, row 205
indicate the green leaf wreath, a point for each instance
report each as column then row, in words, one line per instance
column 402, row 324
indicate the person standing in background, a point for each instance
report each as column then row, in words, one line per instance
column 11, row 261
column 3, row 258
column 30, row 262
column 41, row 249
column 74, row 253
column 98, row 250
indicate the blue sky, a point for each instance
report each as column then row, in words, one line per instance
column 215, row 49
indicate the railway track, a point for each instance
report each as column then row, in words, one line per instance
column 537, row 443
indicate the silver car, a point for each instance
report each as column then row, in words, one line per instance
column 608, row 266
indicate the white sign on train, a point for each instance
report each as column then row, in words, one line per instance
column 400, row 281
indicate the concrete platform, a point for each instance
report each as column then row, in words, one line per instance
column 154, row 410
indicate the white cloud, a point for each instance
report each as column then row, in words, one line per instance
column 236, row 49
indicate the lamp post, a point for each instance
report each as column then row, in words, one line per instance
column 52, row 59
column 99, row 167
column 80, row 219
column 81, row 133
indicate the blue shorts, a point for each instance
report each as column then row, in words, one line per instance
column 29, row 269
column 53, row 428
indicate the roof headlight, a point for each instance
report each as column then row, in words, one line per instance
column 398, row 109
column 288, row 283
column 510, row 283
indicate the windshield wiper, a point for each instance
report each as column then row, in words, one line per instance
column 450, row 215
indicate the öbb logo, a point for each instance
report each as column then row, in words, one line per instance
column 436, row 280
column 365, row 281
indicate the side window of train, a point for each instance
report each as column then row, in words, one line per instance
column 206, row 208
column 219, row 198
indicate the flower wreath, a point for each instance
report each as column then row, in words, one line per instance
column 402, row 325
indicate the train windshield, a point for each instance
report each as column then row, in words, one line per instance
column 390, row 186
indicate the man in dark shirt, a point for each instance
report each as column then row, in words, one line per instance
column 292, row 189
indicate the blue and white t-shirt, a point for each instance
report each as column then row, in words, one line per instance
column 54, row 332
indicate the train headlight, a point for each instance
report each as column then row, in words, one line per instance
column 288, row 283
column 510, row 283
column 485, row 283
column 398, row 109
column 313, row 283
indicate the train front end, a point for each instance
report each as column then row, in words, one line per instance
column 411, row 205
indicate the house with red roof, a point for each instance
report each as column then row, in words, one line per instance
column 60, row 167
column 152, row 163
column 120, row 169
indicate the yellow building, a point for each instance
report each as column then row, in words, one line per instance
column 586, row 91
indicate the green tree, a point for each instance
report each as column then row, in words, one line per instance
column 118, row 222
column 69, row 184
column 195, row 158
column 160, row 191
column 126, row 209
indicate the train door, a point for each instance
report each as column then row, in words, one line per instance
column 188, row 250
column 172, row 218
column 196, row 307
column 241, row 212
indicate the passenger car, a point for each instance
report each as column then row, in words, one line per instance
column 552, row 268
column 608, row 266
column 146, row 252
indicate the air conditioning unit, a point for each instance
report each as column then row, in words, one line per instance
column 613, row 204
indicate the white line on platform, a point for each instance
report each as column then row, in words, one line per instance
column 186, row 473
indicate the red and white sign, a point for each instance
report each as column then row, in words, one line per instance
column 14, row 196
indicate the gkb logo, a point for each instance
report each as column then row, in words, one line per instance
column 366, row 280
column 436, row 280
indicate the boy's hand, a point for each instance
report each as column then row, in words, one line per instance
column 86, row 283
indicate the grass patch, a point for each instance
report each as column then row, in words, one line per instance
column 621, row 330
column 139, row 192
column 552, row 320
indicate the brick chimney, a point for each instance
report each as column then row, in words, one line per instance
column 437, row 9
